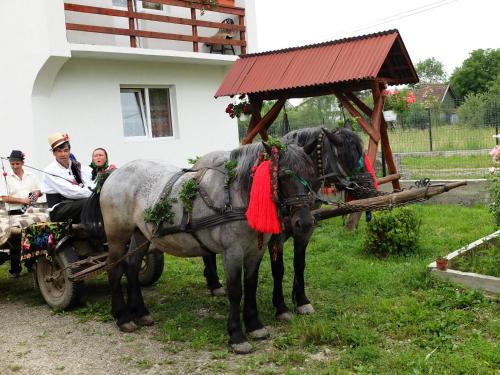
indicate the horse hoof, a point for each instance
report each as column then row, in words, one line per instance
column 218, row 292
column 145, row 320
column 285, row 317
column 305, row 309
column 259, row 334
column 242, row 348
column 128, row 327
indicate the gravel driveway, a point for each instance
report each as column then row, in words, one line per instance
column 34, row 340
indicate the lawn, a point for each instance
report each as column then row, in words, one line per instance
column 446, row 167
column 372, row 316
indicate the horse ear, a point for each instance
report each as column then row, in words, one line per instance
column 268, row 148
column 335, row 138
column 348, row 124
column 310, row 147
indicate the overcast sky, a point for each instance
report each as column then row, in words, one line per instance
column 445, row 29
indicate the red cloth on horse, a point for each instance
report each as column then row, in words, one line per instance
column 262, row 214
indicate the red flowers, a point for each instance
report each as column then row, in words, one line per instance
column 398, row 101
column 237, row 109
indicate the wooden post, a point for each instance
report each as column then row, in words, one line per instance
column 194, row 29
column 131, row 24
column 241, row 21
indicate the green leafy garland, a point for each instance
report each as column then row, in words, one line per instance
column 276, row 142
column 230, row 166
column 194, row 160
column 160, row 212
column 187, row 193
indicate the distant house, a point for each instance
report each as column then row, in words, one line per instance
column 442, row 94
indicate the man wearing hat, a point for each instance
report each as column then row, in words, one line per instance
column 66, row 185
column 21, row 190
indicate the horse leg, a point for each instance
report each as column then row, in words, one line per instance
column 119, row 308
column 299, row 264
column 138, row 310
column 253, row 325
column 210, row 273
column 278, row 269
column 233, row 264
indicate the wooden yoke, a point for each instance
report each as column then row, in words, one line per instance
column 260, row 125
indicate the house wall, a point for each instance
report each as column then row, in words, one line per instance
column 85, row 103
column 32, row 33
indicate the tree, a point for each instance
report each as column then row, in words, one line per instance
column 431, row 71
column 478, row 72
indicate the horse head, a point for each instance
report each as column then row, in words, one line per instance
column 295, row 180
column 340, row 161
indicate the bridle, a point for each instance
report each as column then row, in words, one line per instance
column 338, row 175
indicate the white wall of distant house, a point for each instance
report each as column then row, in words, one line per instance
column 85, row 103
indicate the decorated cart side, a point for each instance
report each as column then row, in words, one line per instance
column 64, row 255
column 342, row 67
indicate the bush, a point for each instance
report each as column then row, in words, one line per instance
column 494, row 188
column 393, row 232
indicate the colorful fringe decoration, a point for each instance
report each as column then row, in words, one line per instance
column 262, row 214
column 369, row 169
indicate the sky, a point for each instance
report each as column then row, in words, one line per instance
column 445, row 29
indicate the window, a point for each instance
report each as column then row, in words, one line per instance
column 146, row 112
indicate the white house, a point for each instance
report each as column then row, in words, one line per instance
column 155, row 100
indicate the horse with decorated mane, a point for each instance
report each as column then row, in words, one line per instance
column 233, row 211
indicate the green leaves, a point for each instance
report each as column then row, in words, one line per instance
column 393, row 232
column 188, row 192
column 160, row 212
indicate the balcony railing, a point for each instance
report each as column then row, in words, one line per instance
column 134, row 32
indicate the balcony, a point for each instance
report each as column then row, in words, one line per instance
column 179, row 25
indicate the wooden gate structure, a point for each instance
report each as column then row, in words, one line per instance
column 341, row 67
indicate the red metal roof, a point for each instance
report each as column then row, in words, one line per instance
column 356, row 59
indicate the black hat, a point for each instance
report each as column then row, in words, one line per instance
column 16, row 155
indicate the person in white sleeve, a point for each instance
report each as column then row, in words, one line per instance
column 21, row 190
column 65, row 184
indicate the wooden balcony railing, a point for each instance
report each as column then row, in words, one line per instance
column 133, row 15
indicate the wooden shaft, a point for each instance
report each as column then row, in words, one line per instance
column 386, row 201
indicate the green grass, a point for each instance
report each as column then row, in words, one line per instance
column 446, row 167
column 444, row 138
column 372, row 316
column 484, row 260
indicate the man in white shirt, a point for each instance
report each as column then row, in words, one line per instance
column 21, row 190
column 20, row 186
column 64, row 182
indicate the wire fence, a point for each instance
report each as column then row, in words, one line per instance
column 439, row 143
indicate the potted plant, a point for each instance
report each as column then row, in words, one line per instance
column 441, row 263
column 397, row 102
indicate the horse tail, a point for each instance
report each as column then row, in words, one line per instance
column 91, row 216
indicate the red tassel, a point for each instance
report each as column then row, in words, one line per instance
column 369, row 169
column 262, row 214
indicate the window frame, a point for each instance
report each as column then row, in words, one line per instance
column 147, row 115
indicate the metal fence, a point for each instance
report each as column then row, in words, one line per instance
column 438, row 143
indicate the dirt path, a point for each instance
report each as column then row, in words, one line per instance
column 35, row 341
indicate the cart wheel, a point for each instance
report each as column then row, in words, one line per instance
column 151, row 267
column 57, row 289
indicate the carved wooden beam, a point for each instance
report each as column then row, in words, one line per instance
column 375, row 136
column 265, row 121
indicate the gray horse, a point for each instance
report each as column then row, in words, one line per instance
column 139, row 185
column 338, row 159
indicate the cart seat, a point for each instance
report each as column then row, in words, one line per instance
column 31, row 216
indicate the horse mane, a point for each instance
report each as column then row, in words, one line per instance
column 349, row 150
column 247, row 155
column 301, row 137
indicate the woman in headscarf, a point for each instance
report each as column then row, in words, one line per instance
column 100, row 163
